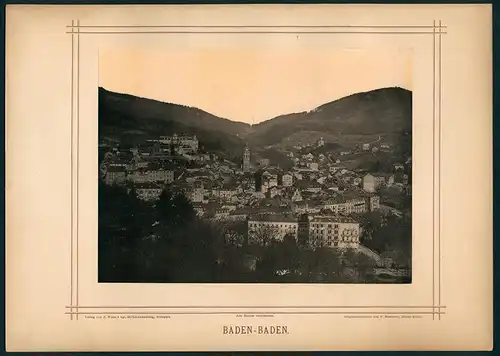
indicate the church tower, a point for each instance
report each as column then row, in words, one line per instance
column 246, row 160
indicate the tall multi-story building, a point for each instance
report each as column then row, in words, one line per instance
column 330, row 231
column 272, row 226
column 246, row 160
column 309, row 231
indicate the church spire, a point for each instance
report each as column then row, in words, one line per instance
column 246, row 159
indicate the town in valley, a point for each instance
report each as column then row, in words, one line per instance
column 174, row 210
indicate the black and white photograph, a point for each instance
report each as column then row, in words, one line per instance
column 255, row 165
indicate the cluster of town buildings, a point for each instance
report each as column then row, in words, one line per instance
column 313, row 202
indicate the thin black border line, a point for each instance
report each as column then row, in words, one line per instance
column 260, row 32
column 255, row 307
column 433, row 162
column 261, row 313
column 71, row 150
column 77, row 160
column 252, row 26
column 149, row 32
column 439, row 174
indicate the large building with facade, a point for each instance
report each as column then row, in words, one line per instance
column 309, row 231
column 271, row 226
column 179, row 140
column 328, row 231
column 151, row 176
column 362, row 204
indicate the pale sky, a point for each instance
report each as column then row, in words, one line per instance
column 251, row 85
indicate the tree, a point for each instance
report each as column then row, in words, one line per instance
column 317, row 243
column 370, row 222
column 330, row 263
column 122, row 223
column 364, row 265
column 190, row 253
column 288, row 257
column 174, row 210
column 264, row 235
column 232, row 266
column 403, row 145
column 348, row 256
column 267, row 265
column 258, row 179
column 394, row 236
column 183, row 210
column 164, row 203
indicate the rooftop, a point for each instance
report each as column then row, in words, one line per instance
column 350, row 194
column 382, row 174
column 244, row 211
column 332, row 218
column 335, row 200
column 274, row 218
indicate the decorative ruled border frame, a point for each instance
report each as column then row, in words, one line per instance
column 76, row 30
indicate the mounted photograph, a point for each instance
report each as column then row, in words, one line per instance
column 255, row 165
